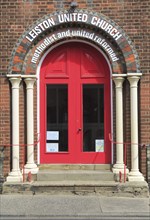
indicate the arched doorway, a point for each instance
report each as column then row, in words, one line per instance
column 75, row 110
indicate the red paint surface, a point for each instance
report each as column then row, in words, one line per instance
column 75, row 64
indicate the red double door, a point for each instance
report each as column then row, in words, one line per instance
column 75, row 108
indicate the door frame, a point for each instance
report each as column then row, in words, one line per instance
column 38, row 90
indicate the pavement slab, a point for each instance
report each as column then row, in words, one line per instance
column 73, row 207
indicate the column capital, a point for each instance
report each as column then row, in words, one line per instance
column 29, row 82
column 134, row 74
column 119, row 75
column 15, row 82
column 118, row 81
column 133, row 81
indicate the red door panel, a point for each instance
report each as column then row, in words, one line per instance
column 57, row 67
column 91, row 65
column 75, row 75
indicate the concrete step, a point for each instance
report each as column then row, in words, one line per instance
column 74, row 187
column 60, row 187
column 106, row 188
column 74, row 175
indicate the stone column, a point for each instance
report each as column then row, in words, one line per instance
column 134, row 175
column 119, row 166
column 15, row 175
column 30, row 166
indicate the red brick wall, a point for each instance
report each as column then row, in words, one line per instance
column 5, row 119
column 132, row 15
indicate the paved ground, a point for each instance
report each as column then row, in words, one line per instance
column 70, row 207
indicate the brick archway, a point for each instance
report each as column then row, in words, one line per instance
column 128, row 59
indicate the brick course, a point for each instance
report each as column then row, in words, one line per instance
column 18, row 15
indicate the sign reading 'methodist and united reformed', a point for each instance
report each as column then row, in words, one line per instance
column 74, row 17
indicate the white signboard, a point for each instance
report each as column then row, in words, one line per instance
column 52, row 147
column 52, row 135
column 99, row 145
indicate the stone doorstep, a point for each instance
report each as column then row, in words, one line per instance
column 75, row 167
column 75, row 175
column 111, row 188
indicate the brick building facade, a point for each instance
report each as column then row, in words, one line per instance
column 124, row 27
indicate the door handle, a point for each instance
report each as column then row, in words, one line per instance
column 79, row 129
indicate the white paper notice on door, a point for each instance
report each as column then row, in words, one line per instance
column 99, row 145
column 52, row 147
column 52, row 135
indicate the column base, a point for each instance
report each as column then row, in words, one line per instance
column 135, row 176
column 31, row 167
column 14, row 176
column 117, row 168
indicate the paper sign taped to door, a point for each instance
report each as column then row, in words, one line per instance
column 52, row 147
column 99, row 145
column 52, row 135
